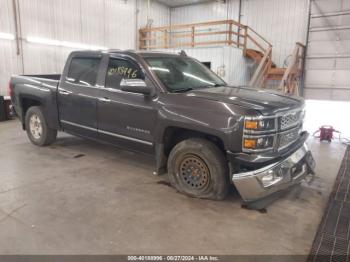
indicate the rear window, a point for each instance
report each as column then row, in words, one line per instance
column 83, row 70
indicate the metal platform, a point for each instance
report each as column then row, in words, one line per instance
column 332, row 241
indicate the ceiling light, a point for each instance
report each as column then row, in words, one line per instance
column 7, row 36
column 46, row 41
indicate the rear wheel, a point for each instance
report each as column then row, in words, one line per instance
column 197, row 167
column 37, row 129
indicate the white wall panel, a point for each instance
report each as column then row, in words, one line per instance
column 120, row 24
column 96, row 22
column 238, row 68
column 209, row 11
column 159, row 13
column 281, row 22
column 6, row 19
column 10, row 63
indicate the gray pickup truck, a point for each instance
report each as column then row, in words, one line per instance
column 205, row 134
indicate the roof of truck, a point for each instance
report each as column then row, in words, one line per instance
column 128, row 51
column 143, row 52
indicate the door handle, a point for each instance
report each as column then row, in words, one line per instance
column 104, row 99
column 64, row 92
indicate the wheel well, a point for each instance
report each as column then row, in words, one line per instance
column 26, row 103
column 174, row 135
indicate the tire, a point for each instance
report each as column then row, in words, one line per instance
column 38, row 132
column 198, row 168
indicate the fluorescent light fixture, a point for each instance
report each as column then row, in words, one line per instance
column 43, row 41
column 7, row 36
column 160, row 69
column 198, row 78
column 46, row 41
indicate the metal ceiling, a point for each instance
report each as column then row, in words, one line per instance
column 177, row 3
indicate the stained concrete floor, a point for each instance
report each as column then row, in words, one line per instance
column 80, row 197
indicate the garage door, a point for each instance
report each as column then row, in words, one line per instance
column 327, row 74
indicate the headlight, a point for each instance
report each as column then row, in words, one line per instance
column 267, row 124
column 258, row 143
column 259, row 133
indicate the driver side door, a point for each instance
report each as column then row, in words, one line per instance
column 124, row 118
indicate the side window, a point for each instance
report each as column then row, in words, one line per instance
column 83, row 70
column 119, row 69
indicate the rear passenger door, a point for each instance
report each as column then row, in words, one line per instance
column 77, row 95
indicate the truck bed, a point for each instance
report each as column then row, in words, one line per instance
column 28, row 90
column 49, row 81
column 49, row 76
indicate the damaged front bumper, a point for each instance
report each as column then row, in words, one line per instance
column 263, row 182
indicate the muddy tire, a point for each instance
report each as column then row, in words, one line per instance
column 39, row 133
column 198, row 168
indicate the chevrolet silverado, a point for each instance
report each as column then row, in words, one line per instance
column 204, row 133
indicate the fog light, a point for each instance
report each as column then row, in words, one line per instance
column 259, row 143
column 250, row 143
column 271, row 177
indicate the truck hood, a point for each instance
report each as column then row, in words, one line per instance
column 266, row 102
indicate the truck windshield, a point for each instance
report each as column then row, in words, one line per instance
column 181, row 74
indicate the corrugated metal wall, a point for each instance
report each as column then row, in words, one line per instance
column 209, row 11
column 159, row 13
column 281, row 22
column 84, row 21
column 10, row 63
column 109, row 23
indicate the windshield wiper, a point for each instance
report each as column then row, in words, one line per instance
column 182, row 90
column 209, row 86
column 217, row 85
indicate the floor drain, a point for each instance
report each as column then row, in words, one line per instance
column 332, row 241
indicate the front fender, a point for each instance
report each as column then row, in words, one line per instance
column 226, row 127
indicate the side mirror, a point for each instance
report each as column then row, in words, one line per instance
column 135, row 86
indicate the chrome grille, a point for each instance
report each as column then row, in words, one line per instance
column 291, row 119
column 288, row 138
column 287, row 126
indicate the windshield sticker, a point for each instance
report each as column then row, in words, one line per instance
column 123, row 71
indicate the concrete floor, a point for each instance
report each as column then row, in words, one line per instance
column 80, row 197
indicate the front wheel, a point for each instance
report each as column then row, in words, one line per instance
column 197, row 167
column 37, row 129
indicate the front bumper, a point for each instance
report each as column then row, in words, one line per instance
column 261, row 183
